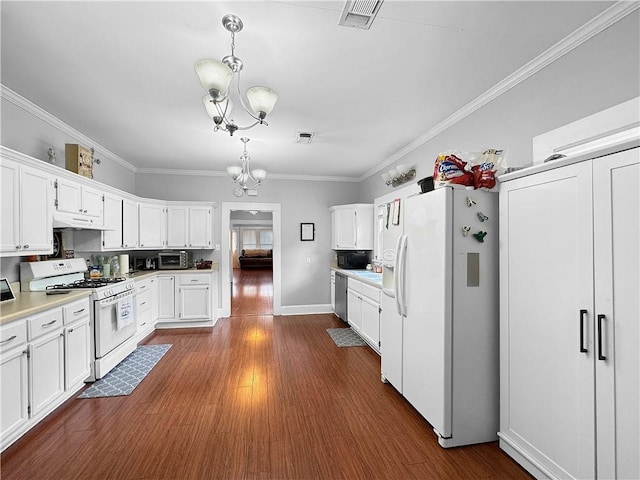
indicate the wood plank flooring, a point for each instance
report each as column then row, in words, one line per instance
column 255, row 397
column 252, row 291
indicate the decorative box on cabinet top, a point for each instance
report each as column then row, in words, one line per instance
column 78, row 159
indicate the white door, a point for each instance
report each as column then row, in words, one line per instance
column 426, row 379
column 151, row 223
column 129, row 224
column 354, row 309
column 344, row 225
column 200, row 227
column 166, row 297
column 13, row 391
column 68, row 196
column 112, row 238
column 195, row 302
column 35, row 211
column 616, row 226
column 10, row 231
column 546, row 276
column 371, row 321
column 391, row 342
column 76, row 353
column 92, row 203
column 177, row 226
column 47, row 371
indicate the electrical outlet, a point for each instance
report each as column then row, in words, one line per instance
column 308, row 259
column 217, row 246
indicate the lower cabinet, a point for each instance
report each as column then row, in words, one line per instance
column 146, row 306
column 44, row 360
column 363, row 311
column 186, row 299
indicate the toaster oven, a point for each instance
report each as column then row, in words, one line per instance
column 174, row 260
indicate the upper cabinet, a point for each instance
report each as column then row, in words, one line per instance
column 189, row 226
column 152, row 230
column 352, row 227
column 26, row 210
column 82, row 203
column 109, row 239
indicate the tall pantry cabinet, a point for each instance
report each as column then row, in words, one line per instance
column 569, row 326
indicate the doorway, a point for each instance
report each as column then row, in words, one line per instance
column 227, row 252
column 251, row 262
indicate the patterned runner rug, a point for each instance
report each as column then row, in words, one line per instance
column 345, row 337
column 126, row 376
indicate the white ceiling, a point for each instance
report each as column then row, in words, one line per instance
column 122, row 73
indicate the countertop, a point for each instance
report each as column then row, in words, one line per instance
column 30, row 303
column 365, row 276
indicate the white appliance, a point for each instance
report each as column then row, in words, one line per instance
column 440, row 338
column 111, row 340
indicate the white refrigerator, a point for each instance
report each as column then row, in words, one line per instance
column 440, row 343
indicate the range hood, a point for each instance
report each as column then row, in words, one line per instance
column 65, row 220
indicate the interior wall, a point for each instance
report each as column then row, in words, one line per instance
column 29, row 134
column 602, row 72
column 301, row 202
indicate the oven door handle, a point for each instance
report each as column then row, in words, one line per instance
column 115, row 298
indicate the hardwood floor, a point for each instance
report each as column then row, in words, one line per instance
column 255, row 397
column 252, row 291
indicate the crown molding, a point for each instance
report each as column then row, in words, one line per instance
column 38, row 112
column 274, row 176
column 597, row 24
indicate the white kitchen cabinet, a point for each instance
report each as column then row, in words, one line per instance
column 129, row 224
column 44, row 360
column 106, row 240
column 152, row 225
column 352, row 227
column 177, row 226
column 80, row 200
column 14, row 390
column 363, row 311
column 333, row 291
column 193, row 298
column 77, row 343
column 569, row 278
column 26, row 223
column 166, row 297
column 200, row 226
column 146, row 306
column 189, row 226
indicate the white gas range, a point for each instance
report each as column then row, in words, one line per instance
column 113, row 323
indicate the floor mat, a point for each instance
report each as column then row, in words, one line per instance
column 345, row 337
column 126, row 376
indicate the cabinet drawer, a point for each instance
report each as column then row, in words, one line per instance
column 194, row 279
column 354, row 285
column 44, row 323
column 369, row 291
column 143, row 301
column 75, row 311
column 12, row 335
column 143, row 285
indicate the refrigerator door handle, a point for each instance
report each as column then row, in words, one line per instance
column 401, row 292
column 396, row 276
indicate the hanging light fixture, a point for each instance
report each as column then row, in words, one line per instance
column 216, row 76
column 248, row 180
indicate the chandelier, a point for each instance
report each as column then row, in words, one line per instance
column 246, row 179
column 216, row 76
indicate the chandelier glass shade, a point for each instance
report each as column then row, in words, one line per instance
column 216, row 77
column 246, row 178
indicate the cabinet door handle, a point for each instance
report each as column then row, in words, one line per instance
column 194, row 280
column 25, row 246
column 583, row 314
column 49, row 324
column 78, row 311
column 142, row 303
column 12, row 337
column 71, row 330
column 18, row 247
column 600, row 355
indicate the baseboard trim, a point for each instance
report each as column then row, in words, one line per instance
column 305, row 309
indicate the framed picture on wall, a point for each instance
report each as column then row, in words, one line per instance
column 307, row 232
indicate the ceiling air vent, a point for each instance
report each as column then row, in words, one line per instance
column 304, row 137
column 359, row 13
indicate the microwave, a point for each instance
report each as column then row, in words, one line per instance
column 353, row 260
column 174, row 260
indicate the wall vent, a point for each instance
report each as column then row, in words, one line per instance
column 304, row 137
column 359, row 13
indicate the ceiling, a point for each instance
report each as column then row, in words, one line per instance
column 122, row 73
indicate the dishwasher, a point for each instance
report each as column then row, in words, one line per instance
column 341, row 296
